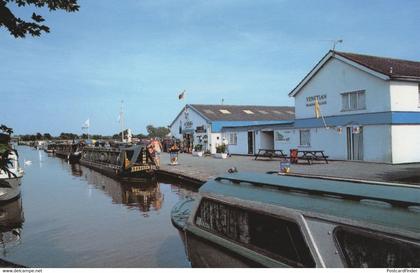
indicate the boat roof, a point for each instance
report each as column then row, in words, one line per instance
column 386, row 204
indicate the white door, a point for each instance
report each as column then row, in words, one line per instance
column 354, row 144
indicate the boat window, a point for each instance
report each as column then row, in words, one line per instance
column 277, row 238
column 363, row 249
column 129, row 154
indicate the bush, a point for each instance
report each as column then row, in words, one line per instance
column 198, row 147
column 221, row 149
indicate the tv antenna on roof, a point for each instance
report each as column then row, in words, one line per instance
column 334, row 42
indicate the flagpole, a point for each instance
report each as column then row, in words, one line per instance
column 88, row 128
column 318, row 112
column 122, row 121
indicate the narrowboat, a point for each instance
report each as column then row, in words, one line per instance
column 70, row 151
column 266, row 220
column 122, row 162
column 50, row 148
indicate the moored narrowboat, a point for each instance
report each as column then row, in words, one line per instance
column 128, row 162
column 263, row 220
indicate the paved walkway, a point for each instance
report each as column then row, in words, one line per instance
column 201, row 168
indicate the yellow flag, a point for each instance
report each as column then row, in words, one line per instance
column 317, row 110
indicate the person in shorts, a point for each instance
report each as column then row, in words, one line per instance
column 157, row 147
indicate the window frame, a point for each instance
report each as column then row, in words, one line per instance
column 235, row 138
column 347, row 97
column 309, row 138
column 255, row 248
column 418, row 95
column 371, row 234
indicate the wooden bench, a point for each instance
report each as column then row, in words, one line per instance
column 312, row 155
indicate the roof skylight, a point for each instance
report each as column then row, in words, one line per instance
column 249, row 112
column 224, row 111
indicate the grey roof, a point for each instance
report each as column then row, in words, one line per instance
column 244, row 112
column 394, row 68
column 360, row 201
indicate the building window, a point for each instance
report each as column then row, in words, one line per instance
column 233, row 139
column 224, row 111
column 419, row 95
column 353, row 100
column 249, row 112
column 305, row 138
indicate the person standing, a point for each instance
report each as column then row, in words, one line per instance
column 226, row 143
column 157, row 146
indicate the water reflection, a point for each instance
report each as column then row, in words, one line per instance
column 11, row 221
column 76, row 170
column 145, row 195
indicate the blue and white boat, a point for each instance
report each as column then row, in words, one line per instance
column 266, row 220
column 11, row 172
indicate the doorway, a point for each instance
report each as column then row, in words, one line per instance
column 188, row 143
column 250, row 142
column 354, row 143
column 267, row 140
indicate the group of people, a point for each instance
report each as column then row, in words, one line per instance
column 155, row 148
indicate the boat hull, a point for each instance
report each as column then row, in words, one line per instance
column 9, row 189
column 114, row 172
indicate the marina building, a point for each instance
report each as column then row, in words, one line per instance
column 202, row 124
column 368, row 108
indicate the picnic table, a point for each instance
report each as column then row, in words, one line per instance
column 271, row 153
column 312, row 155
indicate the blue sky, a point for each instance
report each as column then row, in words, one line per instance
column 146, row 51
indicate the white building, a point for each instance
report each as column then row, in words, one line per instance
column 370, row 111
column 202, row 124
column 371, row 108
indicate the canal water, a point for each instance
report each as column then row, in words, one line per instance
column 71, row 216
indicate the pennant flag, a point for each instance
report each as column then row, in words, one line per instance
column 181, row 96
column 317, row 110
column 86, row 124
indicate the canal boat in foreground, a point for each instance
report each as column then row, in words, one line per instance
column 265, row 220
column 123, row 162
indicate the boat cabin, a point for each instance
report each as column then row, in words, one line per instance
column 266, row 220
column 122, row 161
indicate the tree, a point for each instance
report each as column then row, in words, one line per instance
column 38, row 136
column 160, row 132
column 6, row 150
column 140, row 136
column 47, row 136
column 69, row 136
column 6, row 129
column 20, row 28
